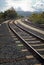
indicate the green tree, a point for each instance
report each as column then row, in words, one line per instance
column 37, row 18
column 9, row 14
column 1, row 17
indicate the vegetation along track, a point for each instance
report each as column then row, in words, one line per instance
column 34, row 44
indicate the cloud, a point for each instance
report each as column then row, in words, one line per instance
column 2, row 5
column 39, row 5
column 25, row 5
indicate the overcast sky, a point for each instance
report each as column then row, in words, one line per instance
column 25, row 5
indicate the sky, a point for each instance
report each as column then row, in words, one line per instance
column 25, row 5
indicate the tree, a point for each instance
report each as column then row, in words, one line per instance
column 9, row 14
column 1, row 17
column 37, row 18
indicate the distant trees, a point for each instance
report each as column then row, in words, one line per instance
column 37, row 18
column 1, row 17
column 9, row 14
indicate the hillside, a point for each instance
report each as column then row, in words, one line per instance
column 23, row 13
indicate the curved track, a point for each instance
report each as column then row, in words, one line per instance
column 29, row 40
column 33, row 25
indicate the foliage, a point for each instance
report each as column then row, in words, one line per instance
column 37, row 18
column 9, row 14
column 1, row 17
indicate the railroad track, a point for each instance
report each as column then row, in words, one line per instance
column 34, row 25
column 34, row 44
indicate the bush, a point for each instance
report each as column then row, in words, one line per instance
column 37, row 18
column 9, row 14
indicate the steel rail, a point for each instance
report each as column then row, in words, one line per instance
column 35, row 53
